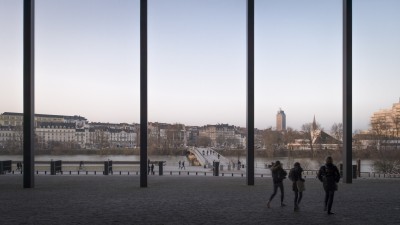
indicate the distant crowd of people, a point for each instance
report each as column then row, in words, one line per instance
column 328, row 174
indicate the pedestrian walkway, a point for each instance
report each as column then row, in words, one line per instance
column 189, row 200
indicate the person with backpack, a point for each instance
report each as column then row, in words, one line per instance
column 298, row 184
column 329, row 175
column 278, row 174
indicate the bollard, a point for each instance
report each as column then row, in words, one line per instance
column 70, row 172
column 216, row 169
column 128, row 172
column 196, row 173
column 119, row 172
column 232, row 174
column 86, row 172
column 179, row 172
column 354, row 171
column 170, row 173
column 160, row 168
column 262, row 175
column 188, row 172
column 78, row 172
column 95, row 172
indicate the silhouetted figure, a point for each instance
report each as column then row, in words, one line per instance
column 152, row 169
column 80, row 165
column 148, row 169
column 329, row 175
column 203, row 152
column 298, row 184
column 218, row 155
column 180, row 164
column 183, row 165
column 278, row 174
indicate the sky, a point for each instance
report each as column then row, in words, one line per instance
column 87, row 60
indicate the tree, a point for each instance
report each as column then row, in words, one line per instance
column 309, row 132
column 204, row 141
column 379, row 128
column 290, row 135
column 220, row 140
column 396, row 123
column 337, row 132
column 272, row 139
column 232, row 142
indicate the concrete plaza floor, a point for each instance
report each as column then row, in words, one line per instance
column 90, row 199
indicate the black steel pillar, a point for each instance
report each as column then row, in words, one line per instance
column 250, row 92
column 29, row 92
column 347, row 91
column 143, row 93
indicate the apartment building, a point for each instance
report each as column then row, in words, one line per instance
column 280, row 120
column 386, row 121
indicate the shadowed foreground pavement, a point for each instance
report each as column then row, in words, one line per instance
column 190, row 200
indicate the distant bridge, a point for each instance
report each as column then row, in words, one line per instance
column 206, row 156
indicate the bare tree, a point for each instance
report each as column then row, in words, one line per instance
column 232, row 142
column 220, row 140
column 309, row 130
column 204, row 141
column 396, row 123
column 379, row 128
column 337, row 132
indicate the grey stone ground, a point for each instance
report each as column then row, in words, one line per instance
column 89, row 199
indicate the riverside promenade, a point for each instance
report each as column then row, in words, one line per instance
column 190, row 200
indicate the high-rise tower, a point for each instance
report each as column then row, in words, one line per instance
column 280, row 120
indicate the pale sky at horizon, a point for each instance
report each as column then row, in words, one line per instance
column 87, row 60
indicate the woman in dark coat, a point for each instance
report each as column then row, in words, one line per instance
column 298, row 184
column 329, row 175
column 278, row 174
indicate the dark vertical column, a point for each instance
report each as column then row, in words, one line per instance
column 29, row 92
column 250, row 92
column 347, row 91
column 143, row 93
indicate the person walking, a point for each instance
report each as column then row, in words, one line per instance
column 278, row 174
column 298, row 184
column 329, row 175
column 183, row 165
column 152, row 169
column 180, row 164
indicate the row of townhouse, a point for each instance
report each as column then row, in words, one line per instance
column 76, row 131
column 224, row 135
column 165, row 135
column 70, row 131
column 179, row 135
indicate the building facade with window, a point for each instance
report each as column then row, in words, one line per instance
column 280, row 120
